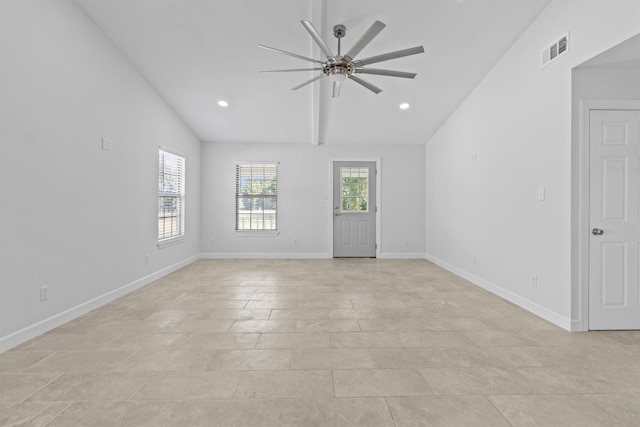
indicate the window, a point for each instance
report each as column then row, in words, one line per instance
column 170, row 197
column 256, row 196
column 354, row 183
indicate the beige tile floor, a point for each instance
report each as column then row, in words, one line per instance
column 319, row 343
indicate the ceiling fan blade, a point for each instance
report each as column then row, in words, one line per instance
column 365, row 83
column 291, row 69
column 336, row 89
column 388, row 56
column 295, row 55
column 316, row 36
column 364, row 40
column 390, row 73
column 318, row 77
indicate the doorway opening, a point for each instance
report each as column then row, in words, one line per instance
column 605, row 92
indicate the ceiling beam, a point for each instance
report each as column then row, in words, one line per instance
column 318, row 10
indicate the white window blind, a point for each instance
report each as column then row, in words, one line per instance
column 170, row 196
column 257, row 196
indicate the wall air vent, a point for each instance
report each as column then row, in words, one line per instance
column 556, row 50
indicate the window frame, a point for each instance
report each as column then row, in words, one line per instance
column 179, row 196
column 256, row 232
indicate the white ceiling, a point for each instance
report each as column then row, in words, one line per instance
column 196, row 52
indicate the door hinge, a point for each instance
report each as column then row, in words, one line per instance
column 376, row 246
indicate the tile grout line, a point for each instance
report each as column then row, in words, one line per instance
column 281, row 411
column 487, row 398
column 144, row 383
column 54, row 352
column 333, row 382
column 41, row 388
column 59, row 413
column 386, row 400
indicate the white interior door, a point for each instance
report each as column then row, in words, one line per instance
column 354, row 213
column 614, row 245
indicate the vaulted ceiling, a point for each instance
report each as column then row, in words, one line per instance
column 197, row 52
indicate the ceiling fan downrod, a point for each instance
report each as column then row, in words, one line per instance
column 339, row 31
column 339, row 69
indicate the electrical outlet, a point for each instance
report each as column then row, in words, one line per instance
column 475, row 259
column 405, row 242
column 534, row 281
column 295, row 242
column 44, row 293
column 542, row 194
column 146, row 259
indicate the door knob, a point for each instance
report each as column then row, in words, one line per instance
column 597, row 232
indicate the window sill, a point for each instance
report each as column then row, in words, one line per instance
column 256, row 233
column 170, row 241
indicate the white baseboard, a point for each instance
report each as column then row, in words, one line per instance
column 391, row 255
column 530, row 306
column 25, row 334
column 298, row 255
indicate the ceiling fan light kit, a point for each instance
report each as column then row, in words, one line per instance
column 342, row 67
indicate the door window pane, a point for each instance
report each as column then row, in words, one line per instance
column 354, row 189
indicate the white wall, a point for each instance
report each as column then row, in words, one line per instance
column 304, row 199
column 73, row 216
column 518, row 123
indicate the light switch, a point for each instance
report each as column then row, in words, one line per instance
column 106, row 144
column 541, row 194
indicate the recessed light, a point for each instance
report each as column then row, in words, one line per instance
column 223, row 103
column 404, row 106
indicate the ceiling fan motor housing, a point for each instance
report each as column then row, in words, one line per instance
column 339, row 70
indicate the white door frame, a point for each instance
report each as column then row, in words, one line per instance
column 378, row 161
column 583, row 230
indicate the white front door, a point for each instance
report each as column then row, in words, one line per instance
column 614, row 245
column 354, row 213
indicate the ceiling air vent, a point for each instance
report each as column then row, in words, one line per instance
column 556, row 50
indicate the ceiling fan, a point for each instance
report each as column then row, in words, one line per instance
column 342, row 67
